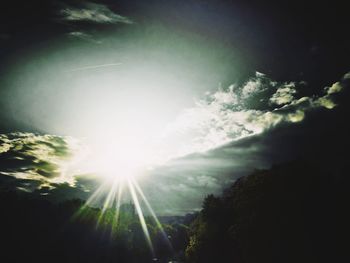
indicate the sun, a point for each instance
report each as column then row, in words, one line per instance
column 118, row 158
column 120, row 161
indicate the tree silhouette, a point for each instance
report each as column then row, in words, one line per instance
column 37, row 230
column 290, row 213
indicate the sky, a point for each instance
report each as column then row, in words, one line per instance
column 188, row 95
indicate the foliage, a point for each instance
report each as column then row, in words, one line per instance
column 290, row 213
column 35, row 230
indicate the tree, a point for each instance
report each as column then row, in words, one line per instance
column 289, row 213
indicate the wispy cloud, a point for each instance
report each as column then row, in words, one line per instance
column 84, row 36
column 92, row 12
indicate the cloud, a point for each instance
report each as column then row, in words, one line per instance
column 252, row 87
column 92, row 12
column 335, row 88
column 346, row 76
column 38, row 160
column 223, row 136
column 326, row 102
column 284, row 94
column 84, row 36
column 240, row 111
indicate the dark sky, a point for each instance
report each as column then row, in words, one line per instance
column 288, row 40
column 301, row 47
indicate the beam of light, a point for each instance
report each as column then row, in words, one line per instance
column 96, row 194
column 95, row 67
column 111, row 196
column 150, row 209
column 117, row 209
column 140, row 215
column 90, row 201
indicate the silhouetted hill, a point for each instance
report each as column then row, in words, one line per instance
column 294, row 212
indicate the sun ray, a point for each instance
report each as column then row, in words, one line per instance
column 94, row 196
column 112, row 194
column 106, row 204
column 117, row 208
column 154, row 216
column 140, row 215
column 89, row 201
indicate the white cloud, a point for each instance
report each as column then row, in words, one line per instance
column 252, row 87
column 93, row 12
column 224, row 116
column 326, row 102
column 284, row 94
column 335, row 88
column 296, row 116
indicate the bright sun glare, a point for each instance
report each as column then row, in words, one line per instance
column 116, row 158
column 119, row 160
column 124, row 129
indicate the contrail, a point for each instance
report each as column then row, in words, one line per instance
column 96, row 66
